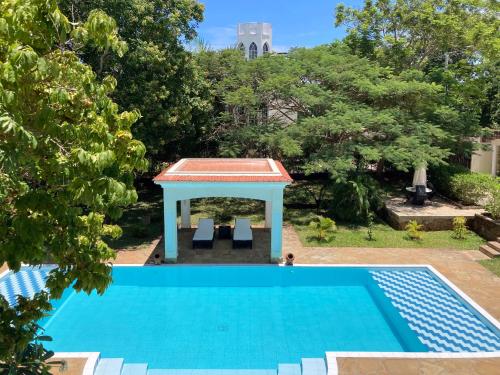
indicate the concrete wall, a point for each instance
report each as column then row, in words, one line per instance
column 487, row 161
column 481, row 161
column 486, row 227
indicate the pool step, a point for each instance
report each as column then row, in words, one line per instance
column 212, row 372
column 489, row 250
column 289, row 369
column 135, row 369
column 313, row 366
column 109, row 366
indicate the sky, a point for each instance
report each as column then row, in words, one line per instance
column 296, row 23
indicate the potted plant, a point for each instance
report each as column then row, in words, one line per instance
column 289, row 259
column 157, row 259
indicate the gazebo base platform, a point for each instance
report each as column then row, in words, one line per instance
column 434, row 215
column 222, row 251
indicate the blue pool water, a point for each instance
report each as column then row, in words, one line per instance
column 230, row 316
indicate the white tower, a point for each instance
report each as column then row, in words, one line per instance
column 256, row 39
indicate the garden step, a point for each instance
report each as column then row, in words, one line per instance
column 489, row 251
column 289, row 369
column 109, row 366
column 211, row 372
column 313, row 366
column 495, row 245
column 135, row 369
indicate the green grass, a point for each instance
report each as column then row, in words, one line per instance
column 225, row 210
column 141, row 223
column 492, row 264
column 349, row 235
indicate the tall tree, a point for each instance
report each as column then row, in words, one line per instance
column 332, row 112
column 455, row 43
column 157, row 76
column 67, row 156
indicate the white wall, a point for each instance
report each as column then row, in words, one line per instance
column 481, row 161
column 258, row 33
column 487, row 161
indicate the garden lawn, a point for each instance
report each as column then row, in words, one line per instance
column 348, row 235
column 141, row 222
column 492, row 264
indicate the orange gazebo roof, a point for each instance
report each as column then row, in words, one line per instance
column 225, row 170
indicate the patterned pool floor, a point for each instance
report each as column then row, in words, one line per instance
column 441, row 320
column 27, row 282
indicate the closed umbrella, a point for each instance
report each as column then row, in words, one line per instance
column 420, row 176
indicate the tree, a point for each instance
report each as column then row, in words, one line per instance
column 248, row 117
column 418, row 33
column 157, row 76
column 67, row 155
column 453, row 42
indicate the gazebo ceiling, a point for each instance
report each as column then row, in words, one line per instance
column 225, row 170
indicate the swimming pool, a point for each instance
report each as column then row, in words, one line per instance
column 258, row 316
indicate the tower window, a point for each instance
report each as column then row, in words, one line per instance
column 241, row 47
column 252, row 51
column 265, row 48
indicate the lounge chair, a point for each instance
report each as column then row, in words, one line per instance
column 204, row 234
column 242, row 234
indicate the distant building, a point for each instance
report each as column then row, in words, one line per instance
column 255, row 39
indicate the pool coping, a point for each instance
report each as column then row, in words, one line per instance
column 331, row 357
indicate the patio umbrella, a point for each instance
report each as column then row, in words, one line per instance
column 420, row 176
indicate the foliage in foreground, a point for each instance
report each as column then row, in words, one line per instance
column 67, row 155
column 21, row 340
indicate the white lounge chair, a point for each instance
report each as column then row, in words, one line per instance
column 204, row 234
column 242, row 234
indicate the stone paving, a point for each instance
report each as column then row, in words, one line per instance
column 375, row 366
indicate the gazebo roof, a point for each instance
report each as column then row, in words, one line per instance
column 225, row 170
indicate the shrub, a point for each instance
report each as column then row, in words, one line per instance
column 139, row 230
column 472, row 188
column 459, row 228
column 370, row 223
column 354, row 199
column 441, row 176
column 324, row 228
column 493, row 205
column 414, row 230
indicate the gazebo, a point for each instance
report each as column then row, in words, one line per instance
column 262, row 179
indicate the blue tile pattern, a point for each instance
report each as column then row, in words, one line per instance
column 441, row 320
column 27, row 282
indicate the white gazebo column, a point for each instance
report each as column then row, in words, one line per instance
column 277, row 225
column 186, row 214
column 269, row 213
column 170, row 224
